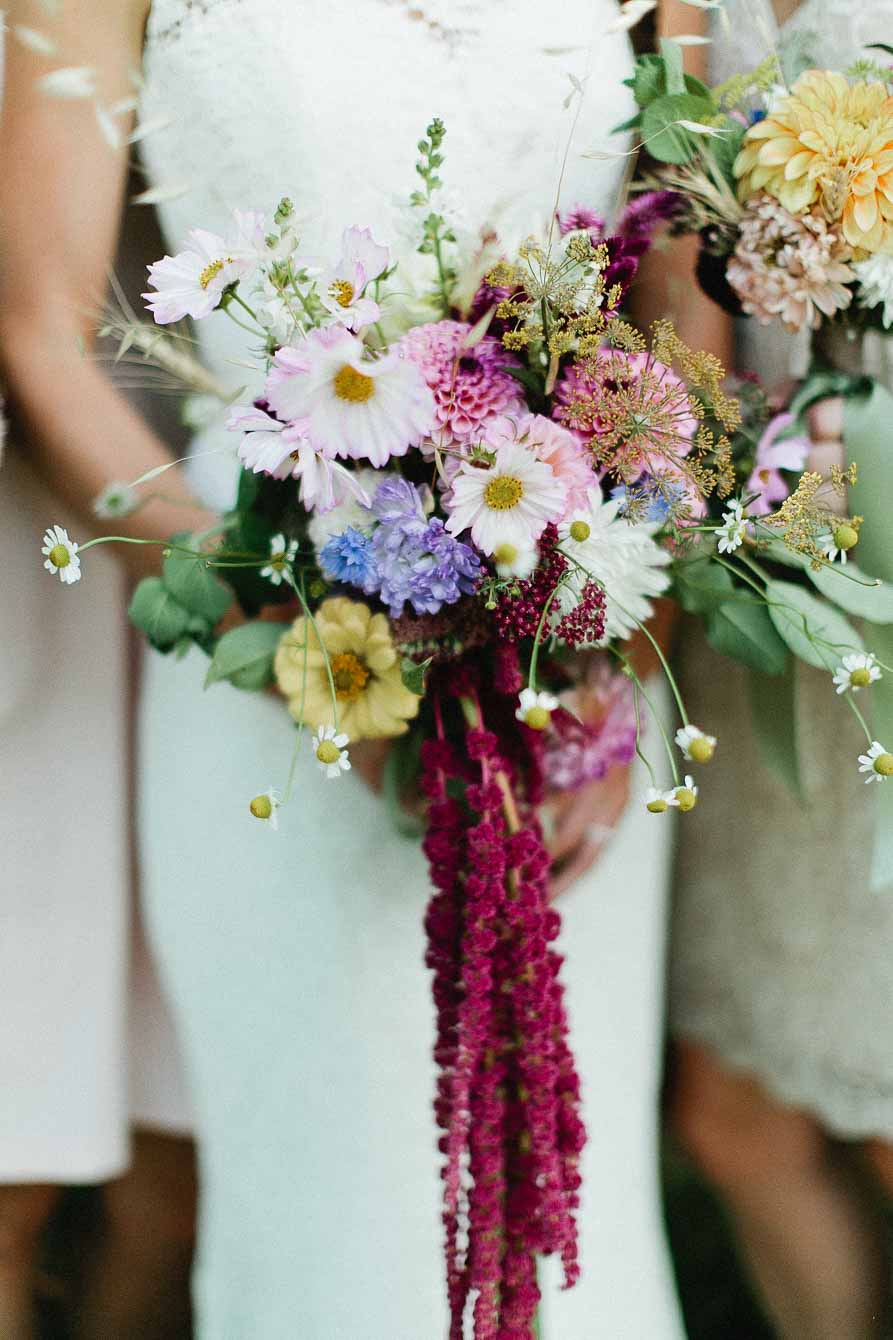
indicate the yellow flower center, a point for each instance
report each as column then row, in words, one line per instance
column 538, row 718
column 60, row 556
column 350, row 675
column 883, row 765
column 505, row 553
column 580, row 531
column 210, row 272
column 846, row 537
column 861, row 678
column 686, row 799
column 328, row 752
column 342, row 292
column 656, row 806
column 353, row 386
column 701, row 749
column 503, row 493
column 261, row 807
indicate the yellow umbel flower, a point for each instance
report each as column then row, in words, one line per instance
column 828, row 144
column 373, row 703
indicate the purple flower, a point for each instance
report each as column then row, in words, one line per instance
column 423, row 564
column 646, row 212
column 579, row 219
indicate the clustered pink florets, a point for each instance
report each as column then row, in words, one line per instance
column 508, row 1095
column 469, row 386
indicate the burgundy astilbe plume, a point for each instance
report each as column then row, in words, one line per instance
column 508, row 1096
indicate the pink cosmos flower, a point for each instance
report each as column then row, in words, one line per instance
column 272, row 447
column 192, row 282
column 346, row 403
column 342, row 289
column 566, row 455
column 772, row 457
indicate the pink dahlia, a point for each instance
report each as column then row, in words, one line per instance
column 469, row 385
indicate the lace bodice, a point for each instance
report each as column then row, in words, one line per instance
column 826, row 32
column 325, row 103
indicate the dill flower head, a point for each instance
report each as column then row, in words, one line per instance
column 828, row 143
column 355, row 647
column 789, row 267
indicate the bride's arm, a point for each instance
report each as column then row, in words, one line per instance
column 61, row 195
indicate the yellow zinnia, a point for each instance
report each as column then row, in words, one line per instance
column 828, row 142
column 373, row 702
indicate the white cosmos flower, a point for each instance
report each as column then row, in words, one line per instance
column 61, row 555
column 657, row 801
column 696, row 746
column 348, row 404
column 733, row 531
column 266, row 808
column 330, row 749
column 509, row 502
column 192, row 282
column 341, row 289
column 279, row 449
column 116, row 500
column 878, row 763
column 282, row 554
column 875, row 277
column 535, row 709
column 624, row 559
column 857, row 671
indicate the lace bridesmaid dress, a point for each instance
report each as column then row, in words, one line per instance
column 782, row 952
column 296, row 960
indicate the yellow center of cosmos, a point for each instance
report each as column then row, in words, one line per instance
column 503, row 493
column 327, row 752
column 342, row 292
column 350, row 675
column 211, row 272
column 60, row 556
column 353, row 386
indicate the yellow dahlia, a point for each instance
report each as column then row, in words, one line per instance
column 827, row 143
column 373, row 702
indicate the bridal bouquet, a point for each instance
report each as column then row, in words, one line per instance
column 461, row 499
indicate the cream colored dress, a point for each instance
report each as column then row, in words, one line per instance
column 782, row 955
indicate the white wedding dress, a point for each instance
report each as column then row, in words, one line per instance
column 295, row 959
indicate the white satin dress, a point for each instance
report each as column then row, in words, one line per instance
column 296, row 959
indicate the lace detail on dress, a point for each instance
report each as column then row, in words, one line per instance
column 439, row 18
column 819, row 32
column 179, row 11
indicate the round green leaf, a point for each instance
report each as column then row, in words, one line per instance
column 157, row 614
column 700, row 585
column 744, row 632
column 874, row 603
column 190, row 581
column 802, row 620
column 663, row 139
column 244, row 656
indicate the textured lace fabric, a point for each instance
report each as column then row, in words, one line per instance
column 783, row 955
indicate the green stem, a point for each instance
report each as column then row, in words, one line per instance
column 654, row 712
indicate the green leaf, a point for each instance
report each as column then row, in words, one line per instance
column 724, row 150
column 674, row 74
column 413, row 674
column 744, row 632
column 700, row 585
column 874, row 603
column 774, row 719
column 801, row 618
column 157, row 614
column 650, row 82
column 244, row 655
column 666, row 141
column 776, row 551
column 189, row 580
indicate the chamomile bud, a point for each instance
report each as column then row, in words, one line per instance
column 535, row 709
column 265, row 807
column 696, row 746
column 685, row 797
column 580, row 531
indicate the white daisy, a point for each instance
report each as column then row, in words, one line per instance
column 877, row 763
column 509, row 502
column 281, row 449
column 347, row 404
column 330, row 749
column 733, row 531
column 856, row 672
column 510, row 561
column 341, row 289
column 282, row 554
column 685, row 797
column 875, row 277
column 116, row 500
column 838, row 543
column 61, row 555
column 696, row 746
column 266, row 808
column 624, row 559
column 192, row 282
column 535, row 709
column 657, row 801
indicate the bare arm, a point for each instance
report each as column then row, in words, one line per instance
column 61, row 193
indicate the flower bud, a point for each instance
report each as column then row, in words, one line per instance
column 845, row 537
column 580, row 531
column 261, row 807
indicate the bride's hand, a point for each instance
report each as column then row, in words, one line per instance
column 825, row 420
column 578, row 824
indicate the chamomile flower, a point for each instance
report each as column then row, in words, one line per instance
column 696, row 746
column 282, row 554
column 857, row 671
column 330, row 749
column 685, row 797
column 61, row 555
column 733, row 531
column 535, row 709
column 266, row 808
column 657, row 801
column 510, row 561
column 878, row 763
column 116, row 500
column 838, row 543
column 510, row 502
